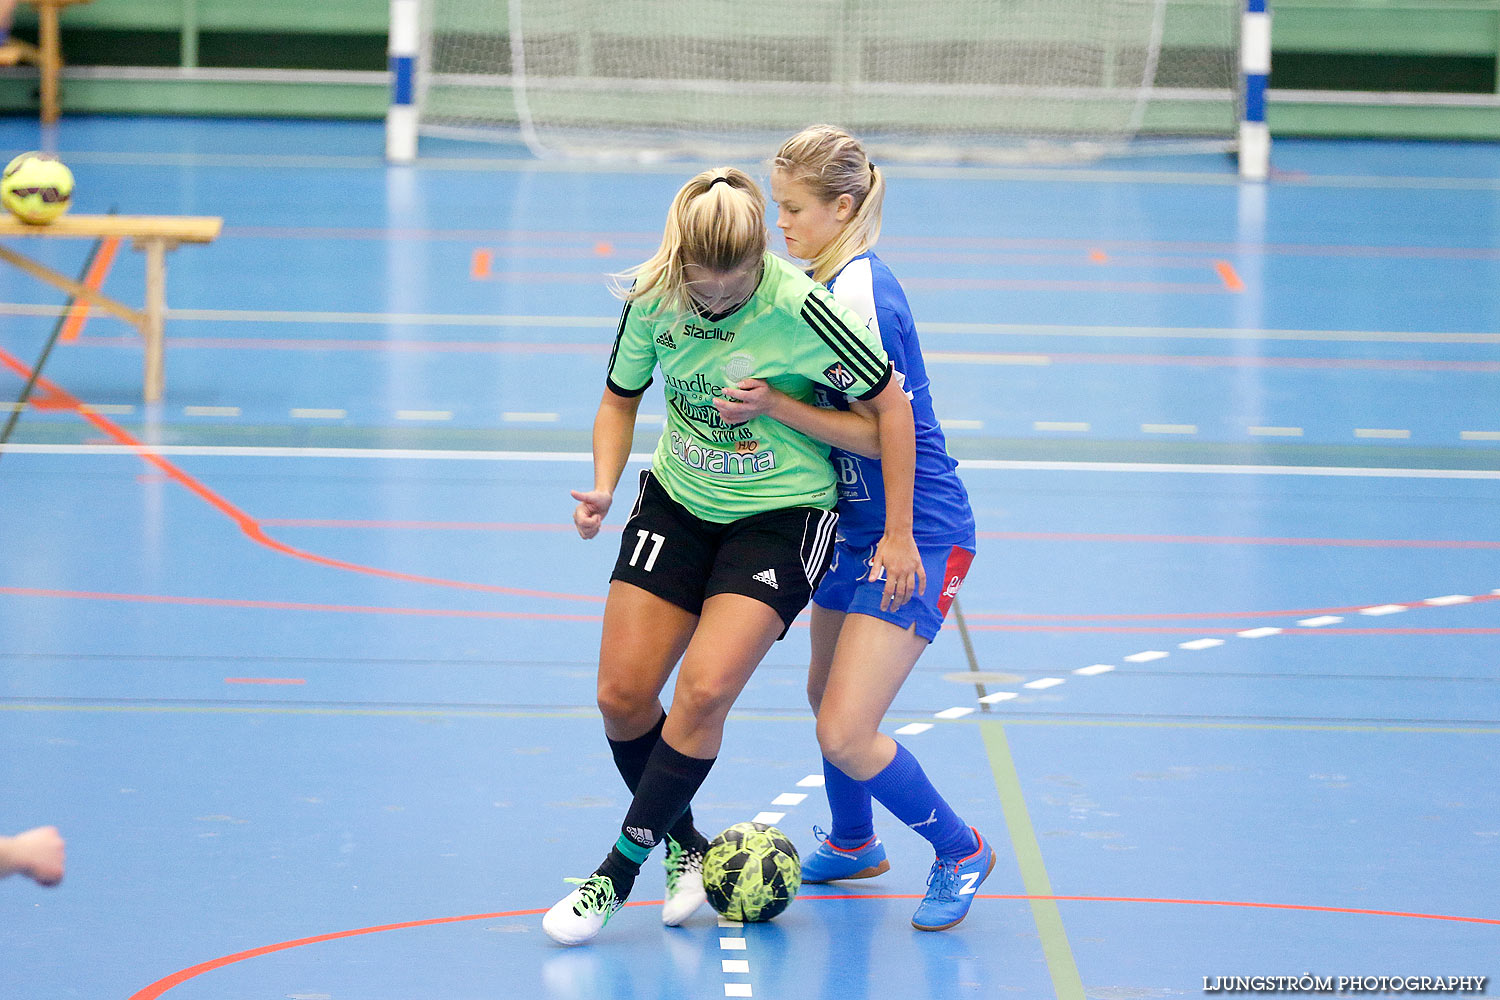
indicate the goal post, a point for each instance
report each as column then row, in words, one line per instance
column 983, row 81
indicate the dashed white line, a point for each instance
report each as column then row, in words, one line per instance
column 1389, row 433
column 998, row 696
column 961, row 425
column 1201, row 644
column 734, row 965
column 1094, row 670
column 768, row 818
column 1043, row 683
column 312, row 413
column 956, row 712
column 424, row 414
column 1320, row 621
column 1383, row 609
column 913, row 728
column 1169, row 428
column 649, row 418
column 811, row 781
column 789, row 799
column 1259, row 633
column 731, row 944
column 1479, row 435
column 211, row 411
column 109, row 409
column 737, row 990
column 1276, row 431
column 1146, row 656
column 1443, row 602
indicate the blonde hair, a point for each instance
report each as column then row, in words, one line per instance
column 831, row 162
column 717, row 221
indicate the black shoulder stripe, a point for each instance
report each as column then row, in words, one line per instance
column 619, row 334
column 857, row 346
column 879, row 386
column 620, row 390
column 838, row 340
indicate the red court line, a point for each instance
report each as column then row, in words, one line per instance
column 226, row 602
column 331, row 344
column 1363, row 543
column 248, row 525
column 1227, row 275
column 162, row 986
column 78, row 312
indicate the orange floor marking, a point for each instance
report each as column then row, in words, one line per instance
column 78, row 312
column 1228, row 276
column 479, row 267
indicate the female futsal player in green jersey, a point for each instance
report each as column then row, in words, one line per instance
column 734, row 523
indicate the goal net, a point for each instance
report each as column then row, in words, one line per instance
column 965, row 80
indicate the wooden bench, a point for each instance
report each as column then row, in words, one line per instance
column 154, row 234
column 46, row 55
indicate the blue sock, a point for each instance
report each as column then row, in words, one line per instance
column 903, row 788
column 849, row 801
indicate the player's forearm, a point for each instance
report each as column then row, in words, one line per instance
column 614, row 431
column 844, row 429
column 898, row 459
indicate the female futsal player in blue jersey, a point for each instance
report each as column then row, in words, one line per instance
column 829, row 197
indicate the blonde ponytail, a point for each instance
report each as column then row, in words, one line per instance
column 831, row 162
column 717, row 221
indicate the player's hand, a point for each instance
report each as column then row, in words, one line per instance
column 748, row 398
column 899, row 561
column 589, row 514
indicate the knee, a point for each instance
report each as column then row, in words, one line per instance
column 702, row 701
column 842, row 744
column 622, row 702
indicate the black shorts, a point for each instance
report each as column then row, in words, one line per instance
column 777, row 557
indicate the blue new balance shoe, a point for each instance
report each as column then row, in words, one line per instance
column 951, row 887
column 829, row 863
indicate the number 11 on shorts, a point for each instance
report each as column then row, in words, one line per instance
column 656, row 541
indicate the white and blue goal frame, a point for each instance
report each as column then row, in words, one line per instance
column 1254, row 138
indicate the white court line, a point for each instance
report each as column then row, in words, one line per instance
column 1201, row 644
column 1259, row 633
column 998, row 696
column 1320, row 621
column 1479, row 435
column 956, row 712
column 1383, row 609
column 1442, row 602
column 1391, row 433
column 913, row 728
column 739, row 965
column 968, row 465
column 737, row 990
column 1094, row 670
column 731, row 944
column 811, row 781
column 768, row 818
column 210, row 411
column 1043, row 683
column 1147, row 656
column 961, row 425
column 789, row 799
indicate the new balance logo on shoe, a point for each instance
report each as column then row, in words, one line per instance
column 665, row 340
column 971, row 883
column 768, row 577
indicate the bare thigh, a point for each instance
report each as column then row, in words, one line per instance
column 644, row 637
column 872, row 660
column 733, row 635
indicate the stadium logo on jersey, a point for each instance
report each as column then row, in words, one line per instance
column 768, row 577
column 838, row 376
column 665, row 339
column 700, row 333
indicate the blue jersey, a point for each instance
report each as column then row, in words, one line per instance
column 941, row 514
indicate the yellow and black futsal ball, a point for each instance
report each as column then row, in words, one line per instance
column 36, row 187
column 751, row 872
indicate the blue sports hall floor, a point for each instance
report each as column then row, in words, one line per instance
column 301, row 658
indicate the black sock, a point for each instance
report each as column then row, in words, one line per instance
column 630, row 759
column 669, row 783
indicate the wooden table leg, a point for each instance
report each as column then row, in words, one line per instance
column 51, row 62
column 154, row 328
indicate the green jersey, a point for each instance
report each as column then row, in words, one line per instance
column 790, row 332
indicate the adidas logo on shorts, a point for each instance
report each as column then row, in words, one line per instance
column 768, row 577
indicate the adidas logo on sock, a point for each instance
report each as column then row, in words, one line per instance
column 768, row 577
column 665, row 340
column 641, row 836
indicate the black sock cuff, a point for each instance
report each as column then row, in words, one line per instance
column 644, row 742
column 692, row 768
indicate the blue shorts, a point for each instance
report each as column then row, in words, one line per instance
column 847, row 586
